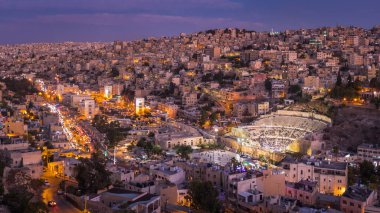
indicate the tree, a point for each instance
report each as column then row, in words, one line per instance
column 349, row 81
column 112, row 129
column 183, row 151
column 151, row 134
column 294, row 89
column 366, row 169
column 156, row 150
column 91, row 174
column 30, row 105
column 100, row 122
column 17, row 198
column 338, row 80
column 374, row 83
column 115, row 72
column 113, row 134
column 234, row 163
column 335, row 150
column 36, row 207
column 36, row 185
column 141, row 142
column 268, row 84
column 5, row 160
column 351, row 176
column 203, row 196
column 18, row 177
column 49, row 145
column 149, row 147
column 376, row 102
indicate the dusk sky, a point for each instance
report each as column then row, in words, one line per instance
column 24, row 21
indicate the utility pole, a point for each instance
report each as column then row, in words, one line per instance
column 114, row 155
column 85, row 205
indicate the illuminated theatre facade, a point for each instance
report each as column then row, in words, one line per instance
column 279, row 132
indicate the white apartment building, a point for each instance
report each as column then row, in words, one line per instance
column 173, row 174
column 87, row 108
column 107, row 91
column 278, row 89
column 139, row 105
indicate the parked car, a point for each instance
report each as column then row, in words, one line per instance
column 52, row 203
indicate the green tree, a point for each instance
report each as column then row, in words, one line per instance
column 268, row 84
column 141, row 142
column 366, row 169
column 17, row 198
column 156, row 150
column 338, row 80
column 100, row 122
column 376, row 102
column 115, row 72
column 234, row 163
column 5, row 160
column 36, row 185
column 30, row 105
column 204, row 197
column 91, row 174
column 49, row 145
column 183, row 151
column 36, row 207
column 112, row 129
column 151, row 134
column 374, row 83
column 113, row 134
column 294, row 89
column 352, row 175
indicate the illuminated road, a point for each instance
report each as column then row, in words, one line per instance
column 50, row 193
column 77, row 138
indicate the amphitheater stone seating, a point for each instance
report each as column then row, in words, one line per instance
column 276, row 131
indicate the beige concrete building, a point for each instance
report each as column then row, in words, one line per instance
column 189, row 99
column 355, row 59
column 356, row 199
column 88, row 109
column 369, row 152
column 15, row 127
column 312, row 82
column 330, row 176
column 352, row 40
column 304, row 191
